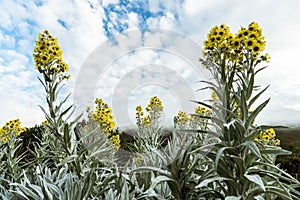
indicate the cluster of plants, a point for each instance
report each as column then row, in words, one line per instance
column 217, row 152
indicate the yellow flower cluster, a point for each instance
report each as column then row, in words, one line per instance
column 268, row 137
column 48, row 55
column 234, row 46
column 141, row 120
column 10, row 129
column 183, row 120
column 200, row 110
column 218, row 37
column 182, row 117
column 154, row 108
column 137, row 160
column 103, row 115
column 155, row 105
column 115, row 139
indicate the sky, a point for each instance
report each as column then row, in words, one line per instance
column 126, row 51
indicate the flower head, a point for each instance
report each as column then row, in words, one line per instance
column 221, row 43
column 271, row 132
column 268, row 137
column 103, row 115
column 182, row 117
column 218, row 37
column 155, row 105
column 48, row 55
column 277, row 142
column 11, row 129
column 115, row 139
column 200, row 110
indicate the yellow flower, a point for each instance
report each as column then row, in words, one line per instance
column 115, row 139
column 139, row 108
column 250, row 43
column 277, row 142
column 200, row 110
column 208, row 112
column 254, row 27
column 266, row 57
column 155, row 105
column 138, row 160
column 2, row 132
column 222, row 43
column 4, row 139
column 236, row 43
column 257, row 48
column 271, row 132
column 266, row 138
column 147, row 120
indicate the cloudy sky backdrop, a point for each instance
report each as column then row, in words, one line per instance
column 82, row 26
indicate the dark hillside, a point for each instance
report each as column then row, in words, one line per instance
column 289, row 137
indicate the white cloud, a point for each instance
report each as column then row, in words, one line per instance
column 133, row 20
column 193, row 8
column 107, row 2
column 11, row 61
column 7, row 41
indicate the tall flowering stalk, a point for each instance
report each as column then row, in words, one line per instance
column 154, row 109
column 11, row 155
column 104, row 118
column 149, row 134
column 49, row 62
column 242, row 165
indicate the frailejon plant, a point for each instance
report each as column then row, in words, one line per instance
column 177, row 166
column 10, row 155
column 100, row 126
column 238, row 165
column 49, row 62
column 64, row 166
column 242, row 165
column 103, row 116
column 149, row 132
